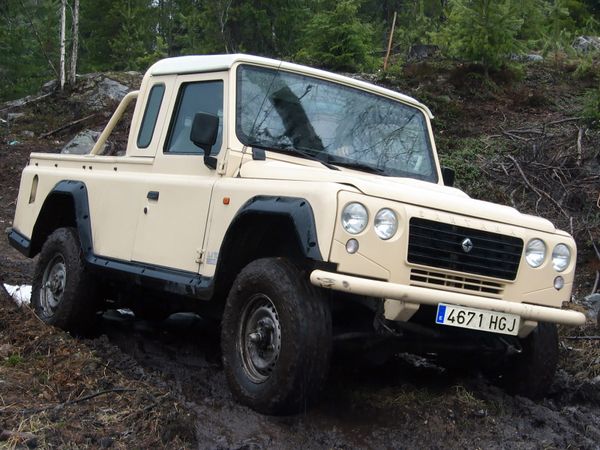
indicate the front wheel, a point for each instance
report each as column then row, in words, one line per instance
column 531, row 372
column 275, row 337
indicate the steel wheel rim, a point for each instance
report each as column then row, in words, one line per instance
column 259, row 338
column 54, row 281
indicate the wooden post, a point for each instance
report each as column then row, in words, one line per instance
column 389, row 47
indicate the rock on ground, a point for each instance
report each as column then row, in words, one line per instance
column 81, row 144
column 107, row 90
column 586, row 44
column 592, row 303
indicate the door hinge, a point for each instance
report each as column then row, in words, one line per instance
column 199, row 256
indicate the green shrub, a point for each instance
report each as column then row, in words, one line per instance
column 586, row 68
column 465, row 157
column 591, row 107
column 338, row 40
column 483, row 31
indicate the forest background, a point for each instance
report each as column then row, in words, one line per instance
column 347, row 35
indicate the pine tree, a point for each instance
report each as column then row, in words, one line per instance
column 483, row 31
column 534, row 19
column 28, row 45
column 338, row 39
column 136, row 36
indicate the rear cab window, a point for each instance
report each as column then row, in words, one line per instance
column 150, row 116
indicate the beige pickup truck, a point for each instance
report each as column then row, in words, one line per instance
column 301, row 208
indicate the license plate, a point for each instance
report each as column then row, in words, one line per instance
column 477, row 319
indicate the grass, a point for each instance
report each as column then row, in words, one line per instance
column 14, row 360
column 465, row 398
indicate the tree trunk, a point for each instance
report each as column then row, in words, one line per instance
column 223, row 17
column 63, row 21
column 74, row 44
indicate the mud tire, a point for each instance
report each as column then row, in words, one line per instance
column 531, row 372
column 74, row 307
column 305, row 338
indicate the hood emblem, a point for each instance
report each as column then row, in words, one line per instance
column 467, row 245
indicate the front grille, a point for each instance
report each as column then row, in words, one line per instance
column 437, row 244
column 455, row 283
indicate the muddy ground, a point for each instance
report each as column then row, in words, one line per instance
column 151, row 385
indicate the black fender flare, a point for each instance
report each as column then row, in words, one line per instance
column 296, row 209
column 78, row 193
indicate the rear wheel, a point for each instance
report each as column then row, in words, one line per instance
column 531, row 372
column 63, row 292
column 275, row 337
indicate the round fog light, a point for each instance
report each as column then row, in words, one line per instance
column 352, row 246
column 559, row 283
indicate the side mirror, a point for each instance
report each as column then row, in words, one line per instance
column 448, row 176
column 204, row 135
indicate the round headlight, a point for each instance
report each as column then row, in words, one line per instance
column 535, row 252
column 354, row 218
column 386, row 223
column 561, row 257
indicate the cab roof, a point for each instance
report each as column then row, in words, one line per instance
column 215, row 63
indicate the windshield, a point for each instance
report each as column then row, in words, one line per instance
column 337, row 124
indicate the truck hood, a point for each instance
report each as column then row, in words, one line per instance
column 405, row 190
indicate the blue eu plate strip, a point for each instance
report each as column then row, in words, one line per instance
column 441, row 313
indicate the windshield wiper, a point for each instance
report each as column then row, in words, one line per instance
column 359, row 166
column 294, row 150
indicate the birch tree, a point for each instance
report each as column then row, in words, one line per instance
column 74, row 43
column 63, row 41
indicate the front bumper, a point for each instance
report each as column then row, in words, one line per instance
column 426, row 296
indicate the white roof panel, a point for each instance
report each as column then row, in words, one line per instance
column 215, row 63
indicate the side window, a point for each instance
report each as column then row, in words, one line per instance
column 150, row 115
column 206, row 97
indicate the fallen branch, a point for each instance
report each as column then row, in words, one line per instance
column 569, row 119
column 579, row 150
column 571, row 225
column 68, row 125
column 510, row 135
column 19, row 103
column 20, row 436
column 96, row 394
column 539, row 192
column 525, row 131
column 583, row 338
column 77, row 400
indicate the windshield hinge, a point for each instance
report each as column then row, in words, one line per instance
column 199, row 256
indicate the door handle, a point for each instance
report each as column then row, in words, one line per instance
column 152, row 195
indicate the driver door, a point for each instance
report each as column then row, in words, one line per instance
column 174, row 210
